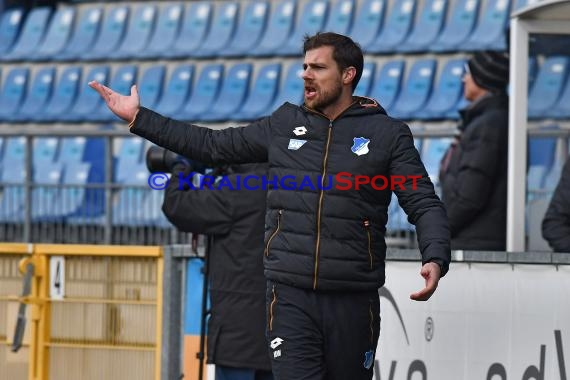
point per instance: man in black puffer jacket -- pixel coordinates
(234, 220)
(326, 208)
(556, 222)
(473, 173)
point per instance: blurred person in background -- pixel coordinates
(234, 219)
(473, 171)
(556, 222)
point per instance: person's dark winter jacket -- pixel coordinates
(556, 222)
(319, 236)
(235, 220)
(474, 185)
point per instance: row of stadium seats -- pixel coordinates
(411, 90)
(66, 172)
(261, 28)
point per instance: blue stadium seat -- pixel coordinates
(249, 31)
(365, 84)
(222, 30)
(44, 198)
(57, 35)
(165, 33)
(72, 149)
(387, 84)
(397, 28)
(111, 34)
(368, 22)
(72, 196)
(88, 101)
(14, 151)
(340, 18)
(417, 89)
(459, 26)
(263, 93)
(122, 80)
(38, 95)
(127, 210)
(519, 4)
(138, 33)
(541, 157)
(433, 150)
(13, 193)
(561, 109)
(427, 28)
(280, 26)
(312, 20)
(291, 89)
(14, 91)
(448, 93)
(83, 36)
(177, 91)
(45, 149)
(234, 91)
(151, 84)
(10, 25)
(195, 27)
(205, 92)
(31, 35)
(548, 86)
(490, 32)
(131, 152)
(64, 95)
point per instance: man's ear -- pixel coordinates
(348, 75)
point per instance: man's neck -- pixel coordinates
(335, 110)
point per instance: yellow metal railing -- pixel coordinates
(98, 315)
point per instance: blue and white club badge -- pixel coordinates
(360, 146)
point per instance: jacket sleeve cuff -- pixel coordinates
(443, 265)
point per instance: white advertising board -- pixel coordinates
(485, 322)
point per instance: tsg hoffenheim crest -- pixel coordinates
(360, 146)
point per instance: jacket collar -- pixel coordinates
(360, 106)
(491, 101)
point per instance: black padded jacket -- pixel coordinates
(323, 236)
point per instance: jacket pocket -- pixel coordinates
(366, 225)
(267, 245)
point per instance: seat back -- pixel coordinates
(263, 93)
(139, 31)
(31, 35)
(427, 28)
(387, 83)
(279, 29)
(58, 33)
(112, 32)
(195, 27)
(39, 94)
(341, 16)
(14, 91)
(448, 92)
(64, 94)
(205, 91)
(235, 89)
(397, 28)
(417, 89)
(368, 22)
(222, 30)
(490, 31)
(151, 85)
(84, 35)
(459, 26)
(177, 90)
(166, 31)
(249, 30)
(10, 25)
(292, 87)
(548, 86)
(313, 19)
(365, 83)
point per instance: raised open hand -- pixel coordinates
(125, 107)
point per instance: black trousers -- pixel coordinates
(318, 335)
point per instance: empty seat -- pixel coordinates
(459, 26)
(57, 35)
(14, 151)
(111, 34)
(387, 83)
(31, 35)
(177, 91)
(138, 33)
(64, 95)
(368, 22)
(234, 91)
(84, 35)
(13, 91)
(127, 209)
(10, 25)
(13, 193)
(397, 28)
(262, 95)
(447, 93)
(72, 196)
(88, 101)
(313, 19)
(417, 89)
(150, 87)
(122, 80)
(38, 95)
(541, 156)
(204, 92)
(427, 28)
(45, 193)
(195, 26)
(433, 150)
(548, 86)
(291, 90)
(561, 109)
(249, 30)
(279, 28)
(165, 33)
(131, 152)
(45, 149)
(340, 18)
(365, 83)
(221, 32)
(490, 32)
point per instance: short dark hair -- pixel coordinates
(346, 52)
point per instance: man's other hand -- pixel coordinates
(125, 107)
(431, 272)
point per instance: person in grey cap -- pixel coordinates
(473, 172)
